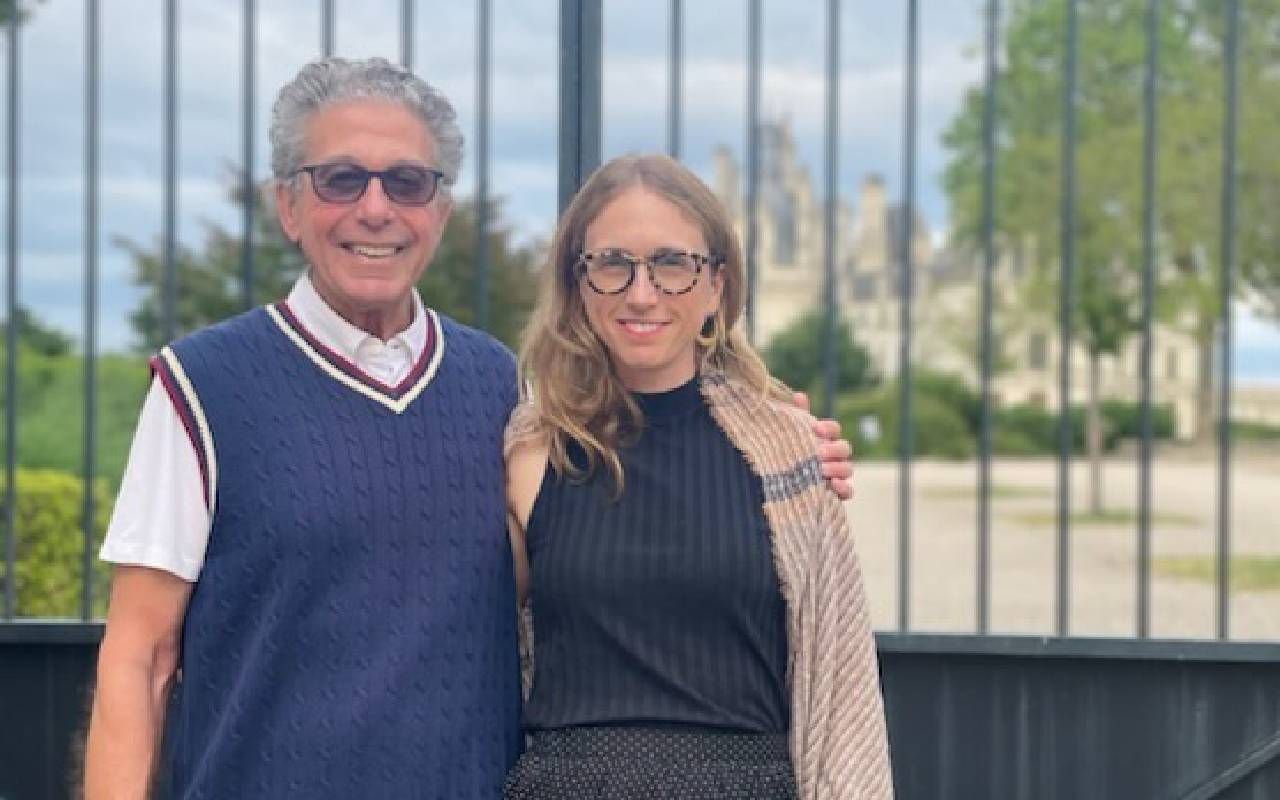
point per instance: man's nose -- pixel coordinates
(374, 207)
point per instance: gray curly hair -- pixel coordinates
(336, 80)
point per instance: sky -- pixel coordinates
(523, 102)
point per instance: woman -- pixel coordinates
(696, 601)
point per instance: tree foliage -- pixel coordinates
(1111, 72)
(24, 8)
(209, 279)
(36, 335)
(794, 356)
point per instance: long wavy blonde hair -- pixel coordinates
(565, 369)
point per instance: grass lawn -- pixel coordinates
(1119, 516)
(1248, 573)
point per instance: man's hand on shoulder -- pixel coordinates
(834, 453)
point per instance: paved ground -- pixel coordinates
(1103, 583)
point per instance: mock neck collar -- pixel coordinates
(671, 404)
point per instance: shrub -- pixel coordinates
(1124, 421)
(938, 429)
(50, 543)
(953, 392)
(1256, 431)
(1037, 428)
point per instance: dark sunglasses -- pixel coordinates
(406, 184)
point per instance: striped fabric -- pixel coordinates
(660, 605)
(839, 743)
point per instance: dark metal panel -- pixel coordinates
(1264, 755)
(250, 189)
(674, 91)
(327, 40)
(11, 340)
(581, 30)
(906, 435)
(1151, 89)
(752, 210)
(90, 444)
(406, 33)
(968, 716)
(1099, 650)
(829, 207)
(484, 38)
(1066, 286)
(1228, 233)
(44, 690)
(169, 297)
(983, 578)
(967, 726)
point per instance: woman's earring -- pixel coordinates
(709, 336)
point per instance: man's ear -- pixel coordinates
(284, 210)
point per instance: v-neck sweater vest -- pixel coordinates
(352, 632)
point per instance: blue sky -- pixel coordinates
(524, 103)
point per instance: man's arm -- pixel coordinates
(136, 666)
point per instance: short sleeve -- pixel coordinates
(161, 519)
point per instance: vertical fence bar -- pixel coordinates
(406, 33)
(483, 58)
(983, 604)
(674, 91)
(90, 300)
(829, 216)
(1065, 300)
(169, 236)
(752, 209)
(1231, 86)
(11, 334)
(906, 287)
(250, 193)
(581, 30)
(326, 28)
(1149, 132)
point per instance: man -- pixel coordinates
(311, 530)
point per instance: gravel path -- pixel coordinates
(1103, 582)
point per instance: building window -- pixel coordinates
(865, 286)
(1038, 351)
(1171, 364)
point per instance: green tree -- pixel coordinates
(1108, 159)
(794, 356)
(24, 9)
(36, 335)
(209, 279)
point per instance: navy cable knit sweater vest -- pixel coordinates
(352, 632)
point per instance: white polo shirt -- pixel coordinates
(160, 518)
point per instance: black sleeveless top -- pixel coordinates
(661, 606)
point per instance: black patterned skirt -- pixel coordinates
(642, 763)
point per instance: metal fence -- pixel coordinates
(581, 56)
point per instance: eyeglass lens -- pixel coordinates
(673, 271)
(408, 184)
